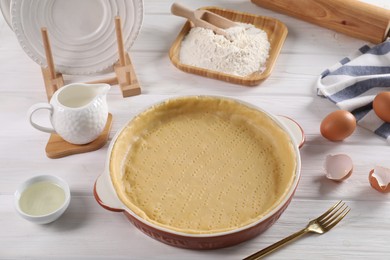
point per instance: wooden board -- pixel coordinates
(276, 31)
(58, 147)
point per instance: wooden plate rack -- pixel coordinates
(125, 77)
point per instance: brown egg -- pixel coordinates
(381, 106)
(338, 125)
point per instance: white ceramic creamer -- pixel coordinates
(78, 112)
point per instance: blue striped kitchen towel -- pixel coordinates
(354, 81)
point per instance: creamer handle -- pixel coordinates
(35, 108)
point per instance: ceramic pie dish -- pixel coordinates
(202, 172)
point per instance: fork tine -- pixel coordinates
(329, 210)
(332, 213)
(334, 222)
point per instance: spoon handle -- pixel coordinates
(183, 11)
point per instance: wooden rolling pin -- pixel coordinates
(351, 17)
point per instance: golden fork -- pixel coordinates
(320, 225)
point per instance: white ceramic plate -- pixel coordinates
(81, 33)
(5, 6)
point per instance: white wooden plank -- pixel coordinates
(88, 231)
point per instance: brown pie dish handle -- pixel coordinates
(105, 195)
(295, 129)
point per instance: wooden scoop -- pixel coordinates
(204, 18)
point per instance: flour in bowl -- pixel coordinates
(245, 52)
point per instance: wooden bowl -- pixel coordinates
(275, 30)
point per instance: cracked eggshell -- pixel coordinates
(379, 178)
(338, 167)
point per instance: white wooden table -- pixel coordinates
(87, 231)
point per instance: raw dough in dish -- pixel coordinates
(202, 165)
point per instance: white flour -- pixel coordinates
(245, 52)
